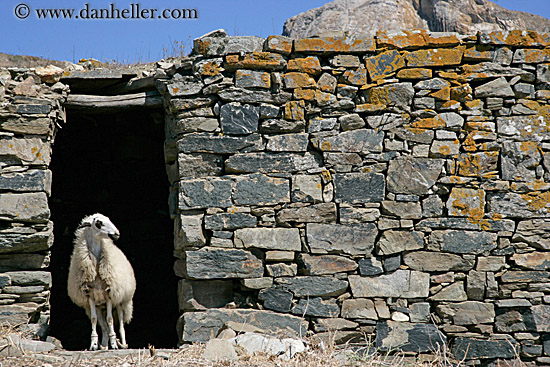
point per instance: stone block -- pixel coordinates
(353, 141)
(276, 299)
(357, 77)
(288, 143)
(188, 230)
(435, 57)
(252, 79)
(413, 175)
(468, 203)
(201, 295)
(399, 94)
(370, 266)
(313, 286)
(184, 87)
(219, 144)
(351, 215)
(463, 242)
(334, 44)
(392, 242)
(280, 44)
(287, 239)
(205, 193)
(239, 119)
(527, 128)
(30, 278)
(306, 188)
(220, 46)
(359, 188)
(387, 121)
(467, 313)
(14, 242)
(223, 221)
(436, 261)
(27, 207)
(535, 232)
(359, 309)
(316, 307)
(326, 264)
(483, 164)
(384, 64)
(198, 165)
(199, 327)
(12, 262)
(337, 238)
(234, 94)
(282, 270)
(317, 213)
(519, 160)
(402, 210)
(271, 162)
(220, 263)
(351, 122)
(31, 180)
(467, 348)
(309, 65)
(520, 205)
(408, 337)
(258, 189)
(282, 126)
(293, 80)
(401, 283)
(532, 260)
(257, 283)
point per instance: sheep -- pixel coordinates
(100, 279)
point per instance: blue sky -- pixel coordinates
(150, 40)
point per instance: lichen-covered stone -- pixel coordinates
(338, 238)
(519, 160)
(280, 44)
(25, 151)
(435, 57)
(521, 205)
(384, 64)
(309, 65)
(334, 44)
(255, 60)
(400, 94)
(525, 128)
(24, 207)
(468, 203)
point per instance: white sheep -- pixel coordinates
(101, 278)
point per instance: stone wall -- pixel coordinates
(29, 113)
(396, 186)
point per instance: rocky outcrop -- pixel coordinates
(367, 17)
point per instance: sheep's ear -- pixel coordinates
(84, 225)
(98, 224)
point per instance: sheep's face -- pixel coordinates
(101, 227)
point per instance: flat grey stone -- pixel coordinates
(413, 175)
(312, 286)
(357, 188)
(463, 242)
(436, 261)
(359, 309)
(467, 313)
(337, 238)
(408, 337)
(258, 189)
(370, 266)
(222, 221)
(357, 141)
(27, 207)
(205, 192)
(233, 94)
(239, 119)
(220, 263)
(519, 160)
(523, 128)
(220, 144)
(200, 326)
(401, 283)
(392, 242)
(317, 213)
(271, 162)
(276, 299)
(516, 205)
(403, 210)
(326, 264)
(306, 188)
(220, 46)
(288, 142)
(287, 239)
(26, 242)
(466, 348)
(31, 180)
(496, 88)
(198, 165)
(316, 307)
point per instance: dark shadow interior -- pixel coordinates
(113, 164)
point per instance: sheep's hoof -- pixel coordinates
(94, 345)
(120, 345)
(113, 342)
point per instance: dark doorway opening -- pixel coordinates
(114, 164)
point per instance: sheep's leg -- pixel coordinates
(104, 328)
(121, 330)
(111, 324)
(93, 319)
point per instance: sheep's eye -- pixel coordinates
(99, 224)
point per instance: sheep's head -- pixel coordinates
(100, 227)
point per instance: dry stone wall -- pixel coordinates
(397, 186)
(29, 113)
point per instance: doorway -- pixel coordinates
(113, 163)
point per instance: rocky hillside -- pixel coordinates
(369, 16)
(7, 60)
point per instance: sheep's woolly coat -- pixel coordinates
(112, 275)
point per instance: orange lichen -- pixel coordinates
(384, 64)
(516, 38)
(210, 69)
(370, 107)
(478, 53)
(435, 57)
(255, 60)
(309, 65)
(415, 73)
(356, 76)
(278, 43)
(469, 203)
(429, 123)
(298, 80)
(537, 200)
(305, 94)
(333, 44)
(443, 94)
(294, 110)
